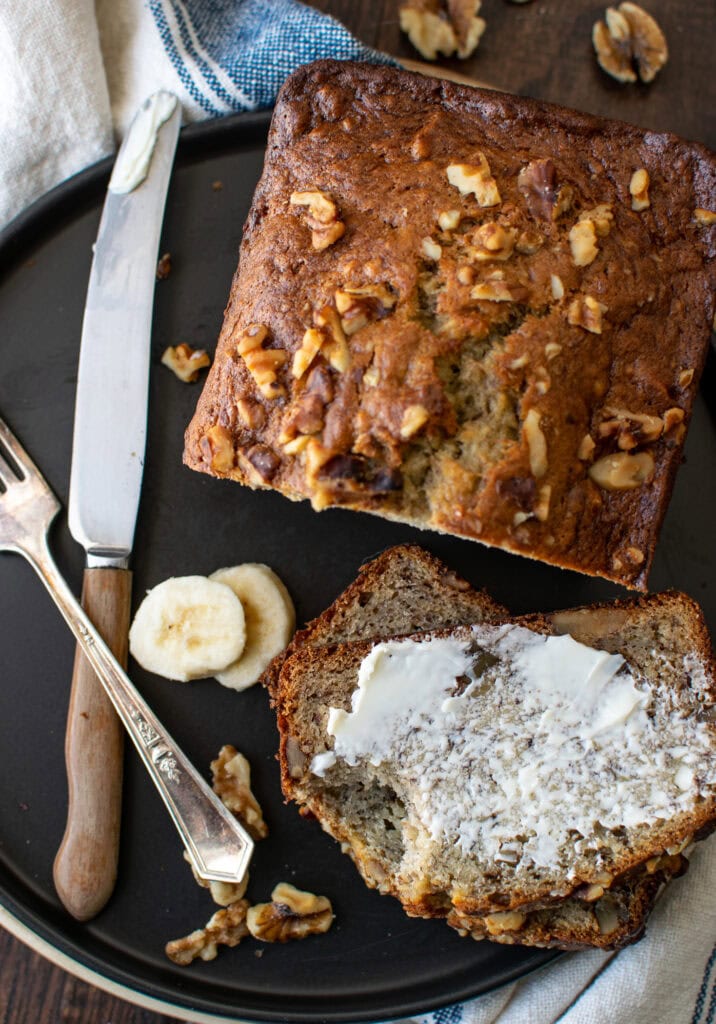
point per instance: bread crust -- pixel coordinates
(489, 377)
(414, 590)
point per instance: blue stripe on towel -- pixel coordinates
(703, 992)
(237, 53)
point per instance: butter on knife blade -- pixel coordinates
(130, 168)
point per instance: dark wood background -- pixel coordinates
(541, 49)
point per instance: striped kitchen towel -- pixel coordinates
(72, 72)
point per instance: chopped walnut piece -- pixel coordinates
(232, 784)
(639, 189)
(185, 361)
(476, 179)
(584, 311)
(622, 471)
(259, 462)
(303, 357)
(493, 242)
(291, 914)
(164, 266)
(262, 363)
(448, 220)
(371, 377)
(251, 413)
(493, 289)
(552, 349)
(431, 250)
(685, 377)
(504, 921)
(297, 445)
(705, 217)
(335, 347)
(672, 418)
(542, 507)
(631, 428)
(414, 417)
(536, 443)
(223, 893)
(545, 198)
(529, 242)
(586, 448)
(583, 243)
(557, 287)
(358, 306)
(322, 217)
(226, 928)
(634, 555)
(601, 217)
(217, 446)
(465, 275)
(630, 36)
(442, 26)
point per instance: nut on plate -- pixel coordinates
(185, 361)
(223, 893)
(629, 41)
(291, 914)
(442, 26)
(232, 784)
(226, 928)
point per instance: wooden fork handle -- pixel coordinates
(85, 867)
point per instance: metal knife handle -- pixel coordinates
(85, 867)
(219, 847)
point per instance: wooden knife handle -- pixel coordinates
(86, 863)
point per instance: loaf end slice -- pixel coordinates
(405, 589)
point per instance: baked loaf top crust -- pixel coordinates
(467, 311)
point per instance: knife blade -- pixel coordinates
(105, 483)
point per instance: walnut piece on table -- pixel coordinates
(226, 928)
(291, 914)
(232, 784)
(442, 26)
(628, 41)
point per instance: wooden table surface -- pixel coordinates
(541, 49)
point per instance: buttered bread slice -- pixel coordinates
(504, 767)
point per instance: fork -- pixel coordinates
(218, 846)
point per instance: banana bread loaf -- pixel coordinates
(467, 311)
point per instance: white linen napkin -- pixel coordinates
(72, 73)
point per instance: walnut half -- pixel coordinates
(442, 26)
(291, 914)
(629, 36)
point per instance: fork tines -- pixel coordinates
(15, 463)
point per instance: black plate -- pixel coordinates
(375, 963)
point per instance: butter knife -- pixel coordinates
(106, 476)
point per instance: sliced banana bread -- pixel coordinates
(505, 792)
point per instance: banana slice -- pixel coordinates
(188, 627)
(270, 620)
